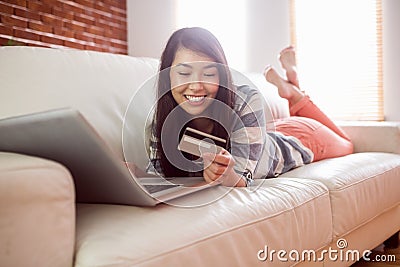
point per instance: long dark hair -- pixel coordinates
(203, 42)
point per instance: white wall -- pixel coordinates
(268, 32)
(151, 22)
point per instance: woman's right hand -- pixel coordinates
(219, 168)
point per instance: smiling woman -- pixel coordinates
(195, 90)
(195, 85)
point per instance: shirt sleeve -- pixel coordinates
(154, 166)
(249, 133)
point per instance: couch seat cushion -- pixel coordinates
(226, 232)
(361, 185)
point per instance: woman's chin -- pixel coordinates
(193, 111)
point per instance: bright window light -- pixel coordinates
(224, 18)
(338, 56)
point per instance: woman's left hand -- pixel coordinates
(219, 168)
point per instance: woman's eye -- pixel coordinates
(183, 73)
(209, 74)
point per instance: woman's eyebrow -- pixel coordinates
(210, 66)
(213, 65)
(184, 65)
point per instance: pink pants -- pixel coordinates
(315, 131)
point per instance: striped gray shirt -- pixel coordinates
(256, 152)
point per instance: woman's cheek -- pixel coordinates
(212, 88)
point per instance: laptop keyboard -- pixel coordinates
(157, 188)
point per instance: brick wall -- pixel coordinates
(98, 25)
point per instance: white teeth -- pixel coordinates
(195, 98)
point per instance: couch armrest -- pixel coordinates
(373, 136)
(37, 212)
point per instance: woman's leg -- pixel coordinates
(308, 123)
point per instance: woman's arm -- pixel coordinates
(248, 138)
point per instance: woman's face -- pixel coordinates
(194, 81)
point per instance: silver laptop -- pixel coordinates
(65, 136)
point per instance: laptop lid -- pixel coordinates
(64, 136)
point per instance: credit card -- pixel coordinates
(196, 142)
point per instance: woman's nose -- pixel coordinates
(196, 85)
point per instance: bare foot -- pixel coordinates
(286, 89)
(287, 57)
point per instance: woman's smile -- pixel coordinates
(195, 100)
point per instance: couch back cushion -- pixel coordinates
(99, 85)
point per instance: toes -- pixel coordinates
(267, 69)
(269, 73)
(287, 55)
(272, 76)
(290, 48)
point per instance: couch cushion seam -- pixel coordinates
(231, 229)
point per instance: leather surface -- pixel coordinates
(37, 212)
(361, 186)
(227, 232)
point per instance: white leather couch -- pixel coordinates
(354, 199)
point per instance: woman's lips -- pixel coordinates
(195, 100)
